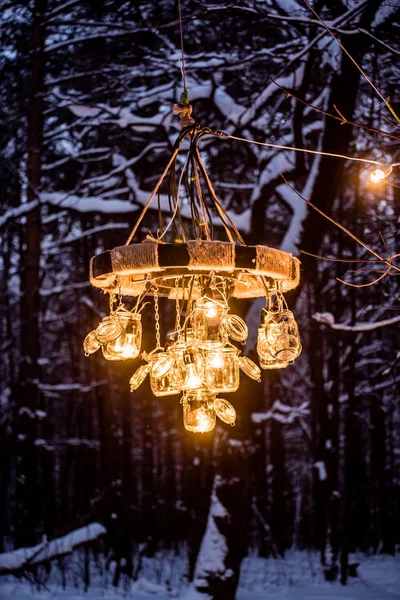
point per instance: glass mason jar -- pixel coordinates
(188, 364)
(282, 335)
(221, 369)
(266, 360)
(208, 320)
(193, 370)
(198, 411)
(267, 365)
(91, 343)
(164, 385)
(128, 345)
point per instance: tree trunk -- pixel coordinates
(28, 502)
(218, 564)
(337, 137)
(225, 541)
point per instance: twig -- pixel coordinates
(388, 262)
(362, 285)
(340, 118)
(343, 260)
(386, 101)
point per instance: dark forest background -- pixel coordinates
(86, 128)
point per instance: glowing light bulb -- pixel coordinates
(129, 349)
(126, 347)
(377, 176)
(192, 380)
(210, 310)
(217, 360)
(198, 411)
(381, 173)
(203, 424)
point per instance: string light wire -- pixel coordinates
(354, 158)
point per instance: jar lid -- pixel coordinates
(109, 330)
(236, 328)
(249, 368)
(225, 411)
(91, 343)
(162, 365)
(139, 376)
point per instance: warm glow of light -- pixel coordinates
(128, 352)
(124, 347)
(203, 424)
(192, 379)
(217, 360)
(129, 348)
(210, 310)
(198, 413)
(377, 176)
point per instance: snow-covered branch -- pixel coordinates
(23, 558)
(282, 413)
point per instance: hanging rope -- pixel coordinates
(184, 109)
(182, 51)
(149, 201)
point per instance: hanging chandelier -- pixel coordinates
(183, 262)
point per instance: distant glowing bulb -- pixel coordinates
(377, 175)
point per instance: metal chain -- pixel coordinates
(112, 300)
(157, 319)
(280, 297)
(120, 304)
(177, 307)
(224, 289)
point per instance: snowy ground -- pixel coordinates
(295, 578)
